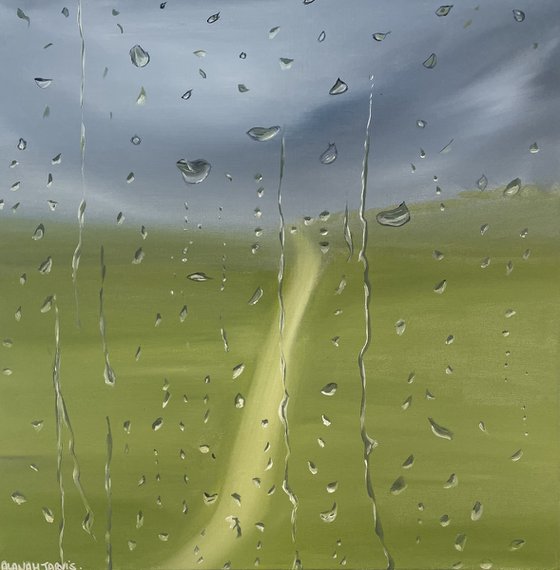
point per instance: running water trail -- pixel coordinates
(62, 418)
(108, 373)
(108, 492)
(59, 414)
(369, 443)
(82, 206)
(348, 234)
(283, 408)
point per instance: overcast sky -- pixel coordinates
(494, 91)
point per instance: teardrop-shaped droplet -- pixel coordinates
(242, 55)
(187, 95)
(157, 424)
(460, 541)
(421, 124)
(443, 10)
(516, 544)
(237, 371)
(46, 266)
(338, 88)
(22, 144)
(18, 498)
(513, 187)
(518, 15)
(400, 327)
(39, 232)
(452, 481)
(534, 148)
(65, 12)
(242, 88)
(398, 486)
(273, 32)
(285, 63)
(477, 510)
(329, 155)
(195, 171)
(57, 159)
(213, 18)
(48, 515)
(239, 401)
(440, 431)
(183, 314)
(23, 16)
(440, 287)
(138, 256)
(47, 304)
(430, 62)
(482, 183)
(256, 296)
(322, 37)
(408, 462)
(135, 140)
(198, 277)
(329, 389)
(396, 217)
(263, 134)
(138, 56)
(517, 455)
(380, 36)
(329, 516)
(42, 82)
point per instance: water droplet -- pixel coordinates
(213, 18)
(526, 254)
(431, 62)
(65, 12)
(460, 541)
(477, 510)
(484, 228)
(46, 266)
(138, 56)
(39, 232)
(380, 36)
(513, 187)
(332, 487)
(329, 155)
(194, 172)
(408, 462)
(510, 313)
(162, 5)
(485, 263)
(262, 134)
(239, 401)
(517, 455)
(440, 431)
(22, 15)
(256, 297)
(329, 389)
(138, 256)
(440, 287)
(37, 425)
(534, 148)
(158, 423)
(48, 515)
(183, 314)
(273, 32)
(237, 371)
(400, 327)
(398, 486)
(338, 88)
(202, 73)
(322, 37)
(42, 82)
(509, 267)
(396, 217)
(136, 140)
(518, 15)
(242, 55)
(242, 88)
(312, 468)
(443, 10)
(209, 498)
(198, 277)
(329, 516)
(452, 481)
(516, 544)
(18, 498)
(47, 304)
(163, 536)
(285, 63)
(407, 403)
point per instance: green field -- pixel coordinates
(498, 370)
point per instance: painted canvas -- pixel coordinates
(279, 285)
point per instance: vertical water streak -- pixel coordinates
(82, 206)
(368, 442)
(59, 413)
(283, 408)
(108, 373)
(108, 492)
(348, 234)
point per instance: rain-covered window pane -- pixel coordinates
(279, 285)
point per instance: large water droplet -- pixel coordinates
(329, 389)
(338, 88)
(42, 82)
(396, 217)
(398, 486)
(329, 516)
(431, 62)
(477, 510)
(138, 56)
(513, 187)
(440, 431)
(194, 172)
(263, 134)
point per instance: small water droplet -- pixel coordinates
(237, 371)
(380, 36)
(517, 455)
(239, 401)
(329, 516)
(213, 18)
(22, 144)
(460, 541)
(65, 12)
(513, 187)
(516, 544)
(408, 462)
(18, 498)
(443, 10)
(322, 37)
(430, 62)
(452, 481)
(42, 82)
(518, 15)
(48, 515)
(400, 327)
(477, 510)
(242, 88)
(329, 389)
(198, 277)
(440, 287)
(273, 32)
(440, 431)
(158, 423)
(255, 298)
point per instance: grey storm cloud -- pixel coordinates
(493, 91)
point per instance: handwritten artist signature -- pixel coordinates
(26, 565)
